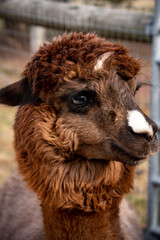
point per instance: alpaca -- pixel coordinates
(78, 137)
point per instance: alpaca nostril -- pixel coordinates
(147, 137)
(142, 135)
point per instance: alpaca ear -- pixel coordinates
(17, 93)
(128, 69)
(127, 66)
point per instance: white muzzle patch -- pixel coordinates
(138, 123)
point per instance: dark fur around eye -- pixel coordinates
(75, 104)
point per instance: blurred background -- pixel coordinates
(25, 25)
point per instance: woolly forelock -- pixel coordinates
(74, 56)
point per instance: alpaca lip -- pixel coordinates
(154, 146)
(153, 152)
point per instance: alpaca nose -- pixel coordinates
(141, 125)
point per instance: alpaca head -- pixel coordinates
(78, 127)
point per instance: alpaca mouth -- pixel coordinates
(126, 157)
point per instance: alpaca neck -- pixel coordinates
(80, 225)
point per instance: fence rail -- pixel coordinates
(109, 22)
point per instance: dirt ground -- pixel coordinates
(10, 69)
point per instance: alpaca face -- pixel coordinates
(90, 85)
(103, 115)
(78, 127)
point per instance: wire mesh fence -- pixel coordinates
(24, 25)
(18, 18)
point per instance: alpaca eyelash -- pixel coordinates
(140, 85)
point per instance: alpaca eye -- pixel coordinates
(80, 100)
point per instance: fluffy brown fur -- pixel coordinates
(73, 144)
(21, 217)
(64, 182)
